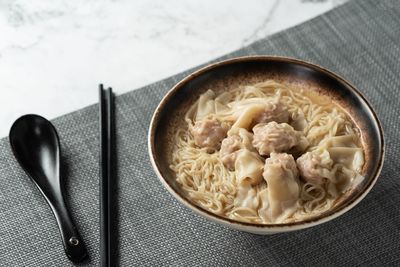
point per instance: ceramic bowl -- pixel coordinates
(249, 70)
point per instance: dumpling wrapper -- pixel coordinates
(283, 192)
(339, 141)
(343, 150)
(246, 197)
(246, 112)
(264, 211)
(352, 158)
(207, 104)
(247, 115)
(248, 167)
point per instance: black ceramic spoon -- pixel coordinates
(35, 144)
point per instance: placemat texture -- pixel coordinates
(359, 40)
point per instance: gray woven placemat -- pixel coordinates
(360, 40)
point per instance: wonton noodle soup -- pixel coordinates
(266, 153)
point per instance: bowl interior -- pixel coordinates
(249, 70)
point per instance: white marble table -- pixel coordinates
(53, 54)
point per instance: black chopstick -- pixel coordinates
(106, 112)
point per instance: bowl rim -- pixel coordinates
(324, 217)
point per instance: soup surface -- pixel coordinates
(266, 153)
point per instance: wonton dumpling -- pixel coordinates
(207, 105)
(245, 119)
(248, 167)
(315, 166)
(345, 178)
(281, 175)
(343, 150)
(273, 111)
(352, 158)
(250, 112)
(209, 133)
(277, 137)
(238, 139)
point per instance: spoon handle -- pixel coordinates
(72, 241)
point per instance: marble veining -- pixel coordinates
(54, 53)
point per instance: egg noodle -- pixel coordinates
(211, 185)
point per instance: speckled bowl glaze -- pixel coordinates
(234, 72)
